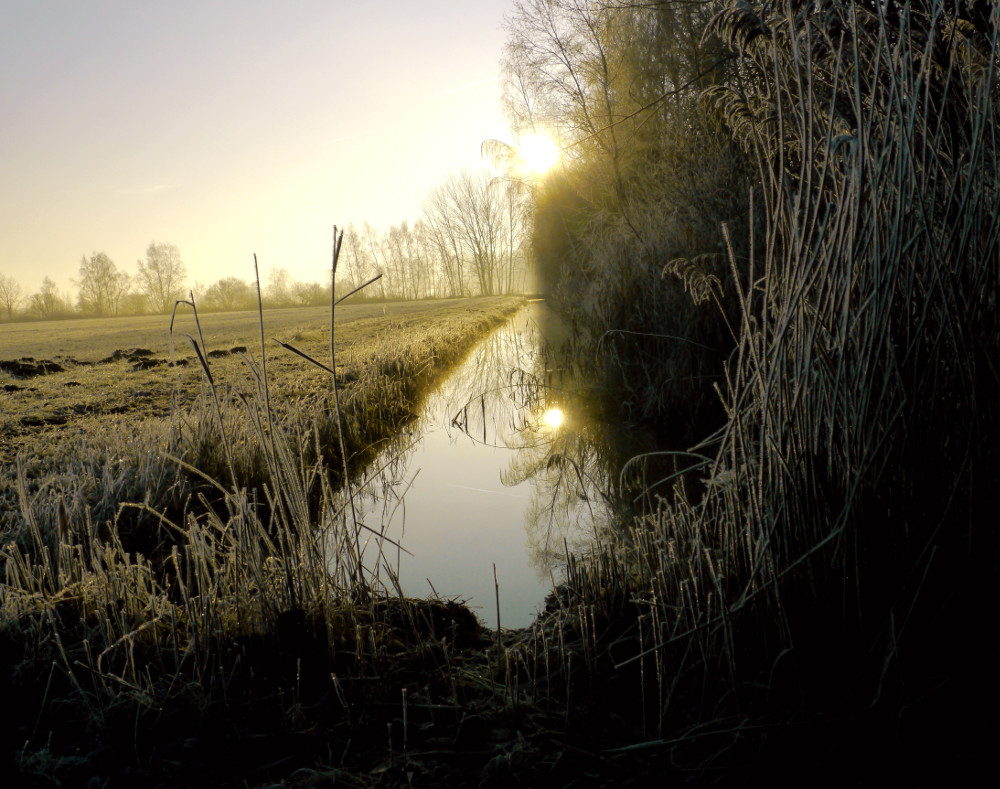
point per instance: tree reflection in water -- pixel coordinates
(553, 477)
(570, 463)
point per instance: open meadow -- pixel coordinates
(71, 378)
(172, 529)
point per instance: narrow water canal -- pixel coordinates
(505, 466)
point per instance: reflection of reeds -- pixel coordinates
(498, 397)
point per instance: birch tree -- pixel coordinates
(161, 276)
(101, 285)
(11, 294)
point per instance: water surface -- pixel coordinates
(503, 469)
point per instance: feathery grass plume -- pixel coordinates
(696, 275)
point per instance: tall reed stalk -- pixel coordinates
(238, 565)
(839, 546)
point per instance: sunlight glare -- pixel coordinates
(553, 417)
(539, 152)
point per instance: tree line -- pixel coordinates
(469, 240)
(102, 289)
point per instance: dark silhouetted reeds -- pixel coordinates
(832, 558)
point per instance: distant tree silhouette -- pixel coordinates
(11, 294)
(230, 293)
(48, 303)
(161, 276)
(101, 285)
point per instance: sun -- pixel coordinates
(538, 152)
(553, 417)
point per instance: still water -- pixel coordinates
(505, 468)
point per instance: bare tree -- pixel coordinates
(133, 302)
(230, 293)
(101, 285)
(11, 294)
(479, 223)
(373, 245)
(356, 258)
(48, 303)
(427, 274)
(310, 294)
(404, 261)
(469, 239)
(443, 232)
(279, 287)
(515, 212)
(607, 75)
(473, 228)
(560, 70)
(161, 276)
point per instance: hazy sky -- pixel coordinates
(228, 128)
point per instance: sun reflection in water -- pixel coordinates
(553, 417)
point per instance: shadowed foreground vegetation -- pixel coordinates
(810, 593)
(140, 578)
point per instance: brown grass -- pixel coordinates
(229, 612)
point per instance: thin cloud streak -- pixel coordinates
(145, 190)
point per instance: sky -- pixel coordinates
(232, 128)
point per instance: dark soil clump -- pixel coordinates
(28, 367)
(129, 354)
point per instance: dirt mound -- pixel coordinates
(130, 354)
(28, 367)
(43, 421)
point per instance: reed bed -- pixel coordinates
(822, 570)
(196, 600)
